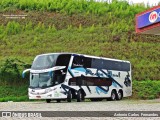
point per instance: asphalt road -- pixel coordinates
(123, 105)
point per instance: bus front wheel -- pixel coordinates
(69, 96)
(80, 96)
(48, 100)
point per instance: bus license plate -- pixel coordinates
(38, 97)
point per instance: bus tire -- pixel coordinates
(48, 100)
(58, 100)
(79, 96)
(69, 96)
(113, 95)
(119, 95)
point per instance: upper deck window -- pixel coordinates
(44, 62)
(80, 61)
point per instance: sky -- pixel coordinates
(151, 2)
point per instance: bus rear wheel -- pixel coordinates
(48, 100)
(80, 96)
(69, 96)
(113, 96)
(119, 95)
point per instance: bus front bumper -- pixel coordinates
(50, 95)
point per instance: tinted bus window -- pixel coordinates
(87, 62)
(116, 65)
(125, 66)
(90, 81)
(63, 60)
(80, 61)
(97, 63)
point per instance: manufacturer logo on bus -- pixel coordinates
(33, 90)
(153, 16)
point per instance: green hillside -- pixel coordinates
(80, 26)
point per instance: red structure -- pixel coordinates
(148, 22)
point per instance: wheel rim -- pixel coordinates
(71, 95)
(80, 95)
(113, 96)
(119, 95)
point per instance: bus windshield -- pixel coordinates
(47, 79)
(41, 80)
(44, 62)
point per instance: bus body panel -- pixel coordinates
(93, 78)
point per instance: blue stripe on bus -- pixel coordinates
(114, 84)
(101, 89)
(70, 72)
(81, 69)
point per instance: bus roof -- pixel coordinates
(76, 54)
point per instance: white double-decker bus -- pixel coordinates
(67, 76)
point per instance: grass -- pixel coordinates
(146, 89)
(91, 40)
(14, 99)
(13, 93)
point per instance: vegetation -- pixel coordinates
(81, 26)
(13, 93)
(146, 89)
(120, 8)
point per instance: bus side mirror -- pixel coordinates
(23, 73)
